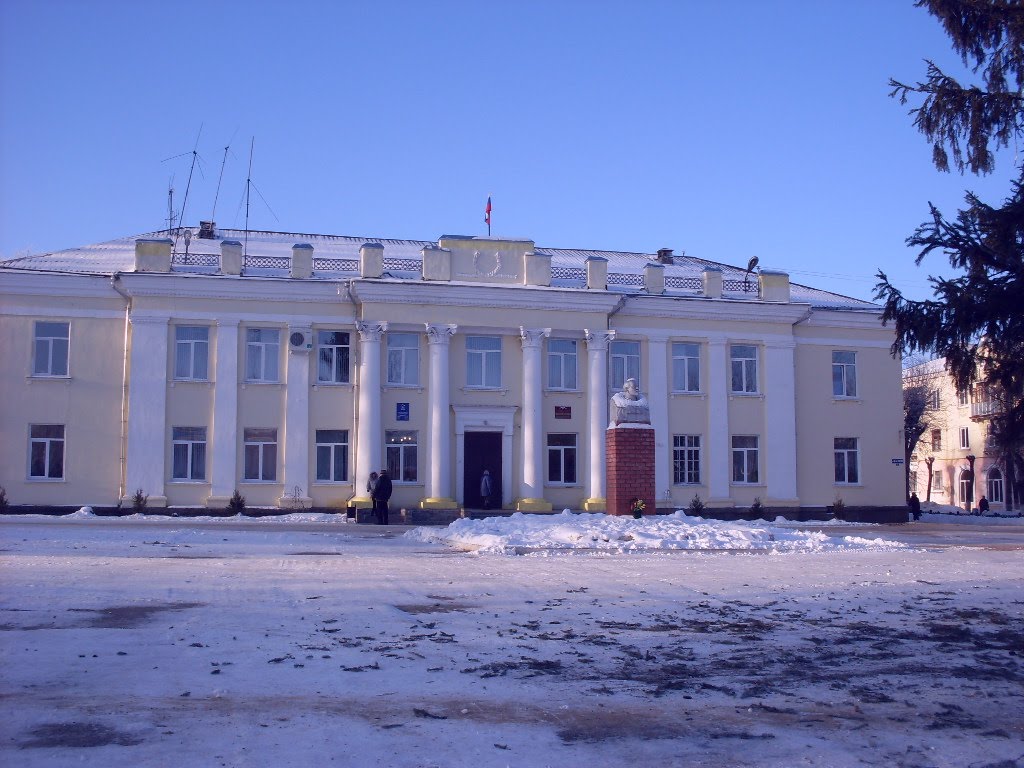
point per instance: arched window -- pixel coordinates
(965, 488)
(995, 485)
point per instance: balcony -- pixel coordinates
(984, 409)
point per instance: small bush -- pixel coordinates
(757, 508)
(4, 504)
(236, 505)
(697, 507)
(838, 507)
(139, 501)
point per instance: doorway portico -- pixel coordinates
(482, 418)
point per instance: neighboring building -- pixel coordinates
(290, 366)
(956, 437)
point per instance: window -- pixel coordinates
(46, 451)
(913, 481)
(744, 458)
(403, 360)
(483, 361)
(844, 374)
(937, 480)
(990, 441)
(965, 437)
(686, 459)
(933, 399)
(191, 352)
(936, 439)
(332, 455)
(401, 455)
(51, 349)
(966, 492)
(847, 466)
(963, 397)
(262, 350)
(685, 367)
(188, 450)
(561, 364)
(332, 349)
(744, 367)
(994, 486)
(562, 459)
(260, 454)
(624, 358)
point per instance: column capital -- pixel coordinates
(598, 340)
(440, 334)
(370, 331)
(532, 336)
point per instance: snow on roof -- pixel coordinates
(337, 257)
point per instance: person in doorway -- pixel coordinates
(370, 483)
(486, 488)
(381, 494)
(983, 506)
(915, 506)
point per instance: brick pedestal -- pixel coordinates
(629, 451)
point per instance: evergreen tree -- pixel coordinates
(975, 320)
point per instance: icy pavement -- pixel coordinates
(152, 643)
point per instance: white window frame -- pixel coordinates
(562, 364)
(844, 374)
(262, 355)
(965, 438)
(192, 440)
(743, 369)
(686, 460)
(963, 397)
(49, 354)
(994, 485)
(937, 484)
(936, 440)
(481, 350)
(53, 452)
(403, 365)
(333, 356)
(401, 451)
(623, 363)
(563, 458)
(188, 353)
(846, 453)
(685, 366)
(934, 400)
(264, 441)
(330, 443)
(746, 472)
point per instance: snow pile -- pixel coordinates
(525, 533)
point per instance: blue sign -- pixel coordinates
(401, 411)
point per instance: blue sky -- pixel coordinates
(722, 129)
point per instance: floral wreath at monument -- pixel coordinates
(637, 507)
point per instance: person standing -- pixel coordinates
(486, 488)
(381, 494)
(915, 506)
(982, 506)
(369, 492)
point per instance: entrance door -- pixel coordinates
(482, 451)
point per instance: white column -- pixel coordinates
(718, 459)
(597, 416)
(439, 480)
(532, 486)
(147, 409)
(368, 427)
(779, 447)
(657, 398)
(224, 440)
(296, 429)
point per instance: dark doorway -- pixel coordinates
(482, 451)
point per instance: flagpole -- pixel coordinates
(487, 215)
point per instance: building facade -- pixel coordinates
(955, 461)
(193, 363)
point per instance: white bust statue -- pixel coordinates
(629, 406)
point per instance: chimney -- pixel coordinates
(712, 282)
(371, 260)
(207, 230)
(597, 273)
(153, 255)
(302, 261)
(536, 268)
(437, 263)
(773, 285)
(665, 256)
(230, 257)
(654, 278)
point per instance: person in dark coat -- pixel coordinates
(982, 506)
(915, 506)
(380, 495)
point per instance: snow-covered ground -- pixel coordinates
(560, 640)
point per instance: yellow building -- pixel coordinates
(193, 363)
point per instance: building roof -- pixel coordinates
(336, 257)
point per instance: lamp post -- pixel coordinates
(970, 482)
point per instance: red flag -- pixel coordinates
(487, 212)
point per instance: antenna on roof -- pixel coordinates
(195, 158)
(170, 204)
(223, 162)
(248, 184)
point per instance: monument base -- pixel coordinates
(629, 451)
